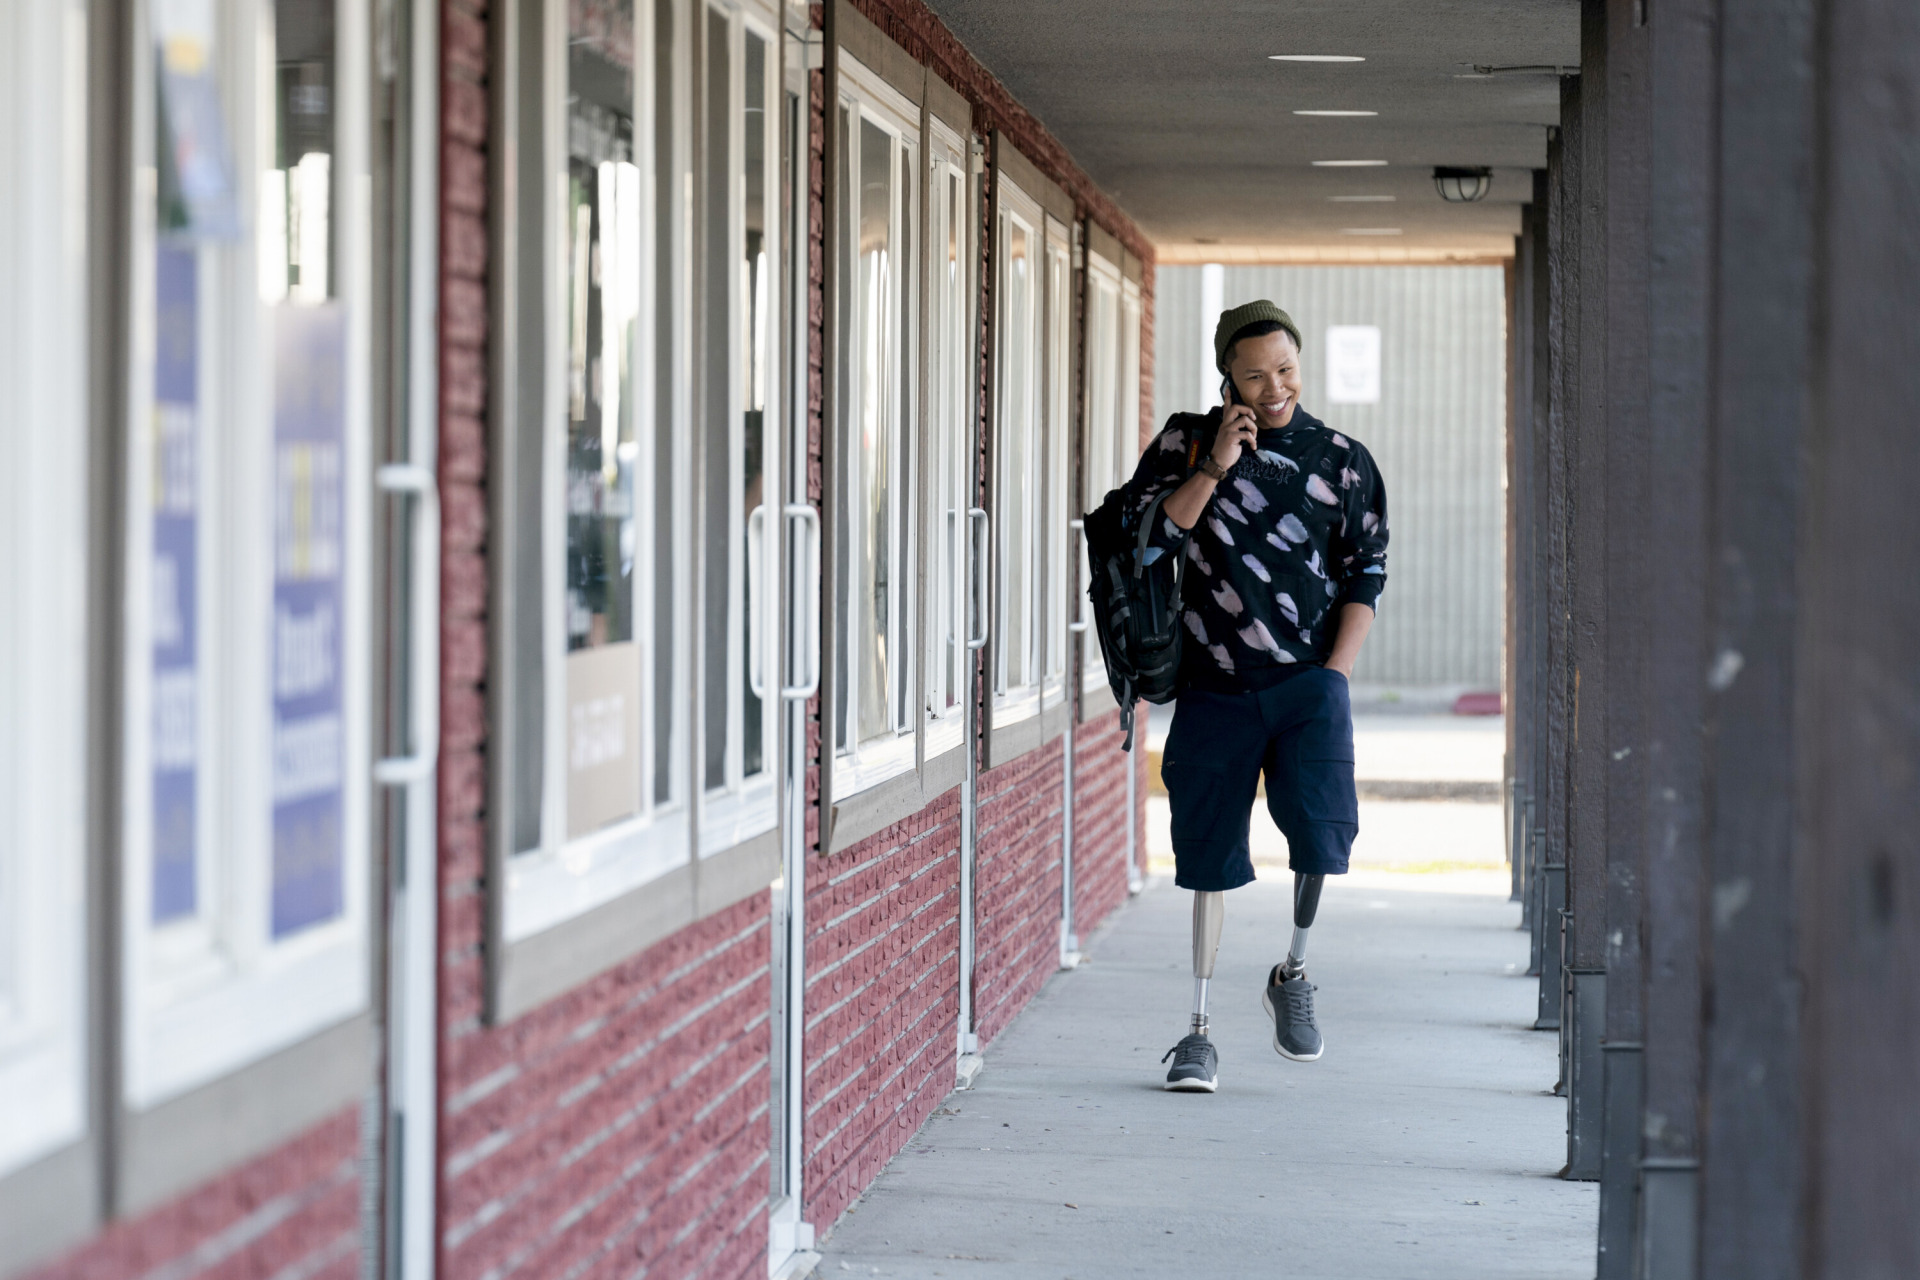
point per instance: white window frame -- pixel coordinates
(567, 876)
(863, 764)
(214, 991)
(744, 807)
(1017, 622)
(949, 459)
(43, 572)
(1056, 445)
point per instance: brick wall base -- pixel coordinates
(883, 1004)
(1100, 851)
(623, 1127)
(292, 1212)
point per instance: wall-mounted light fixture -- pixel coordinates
(1462, 186)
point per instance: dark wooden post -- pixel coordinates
(1629, 606)
(1587, 508)
(1563, 326)
(1857, 869)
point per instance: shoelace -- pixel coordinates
(1192, 1053)
(1299, 998)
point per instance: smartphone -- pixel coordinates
(1229, 394)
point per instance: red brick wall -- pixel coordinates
(621, 1128)
(883, 1003)
(1016, 886)
(1100, 850)
(294, 1211)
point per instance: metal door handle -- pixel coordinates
(977, 639)
(808, 516)
(417, 482)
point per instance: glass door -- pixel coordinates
(796, 641)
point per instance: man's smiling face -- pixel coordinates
(1266, 371)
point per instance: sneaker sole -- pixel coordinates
(1266, 1004)
(1191, 1086)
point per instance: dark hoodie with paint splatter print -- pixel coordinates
(1296, 530)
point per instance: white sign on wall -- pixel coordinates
(1353, 364)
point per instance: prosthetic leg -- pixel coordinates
(1306, 901)
(1289, 996)
(1196, 1065)
(1209, 913)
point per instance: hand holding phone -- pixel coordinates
(1238, 427)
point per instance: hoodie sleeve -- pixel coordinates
(1162, 469)
(1359, 551)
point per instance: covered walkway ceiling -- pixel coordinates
(1178, 109)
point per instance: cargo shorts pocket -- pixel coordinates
(1323, 756)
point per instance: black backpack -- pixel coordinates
(1136, 605)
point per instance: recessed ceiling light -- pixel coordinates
(1349, 164)
(1362, 199)
(1313, 57)
(1370, 231)
(1336, 113)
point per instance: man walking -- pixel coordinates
(1284, 525)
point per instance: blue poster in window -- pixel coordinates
(309, 552)
(173, 575)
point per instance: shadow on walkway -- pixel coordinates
(1424, 1144)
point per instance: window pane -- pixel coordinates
(603, 292)
(756, 351)
(665, 317)
(875, 444)
(960, 375)
(296, 194)
(948, 412)
(1059, 407)
(900, 609)
(717, 544)
(1016, 464)
(174, 574)
(847, 622)
(309, 427)
(1103, 385)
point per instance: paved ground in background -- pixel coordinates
(1422, 1147)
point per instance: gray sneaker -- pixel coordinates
(1296, 1034)
(1196, 1067)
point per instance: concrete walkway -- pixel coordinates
(1423, 1146)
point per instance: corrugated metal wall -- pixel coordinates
(1437, 433)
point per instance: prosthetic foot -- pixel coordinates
(1288, 998)
(1196, 1065)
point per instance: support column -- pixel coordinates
(1857, 869)
(1563, 329)
(1588, 430)
(1539, 401)
(1523, 435)
(1680, 148)
(1628, 609)
(1509, 625)
(1754, 1192)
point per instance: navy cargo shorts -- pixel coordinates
(1300, 732)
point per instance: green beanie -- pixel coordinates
(1232, 322)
